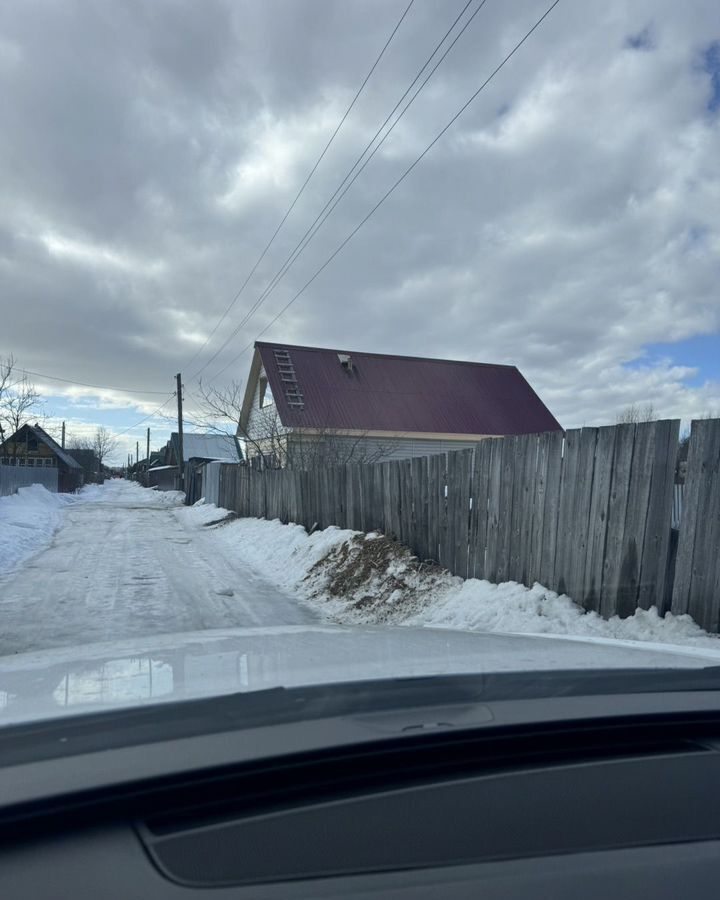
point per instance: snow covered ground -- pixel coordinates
(120, 561)
(389, 589)
(28, 521)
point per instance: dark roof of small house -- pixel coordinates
(43, 436)
(400, 393)
(87, 458)
(207, 446)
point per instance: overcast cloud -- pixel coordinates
(568, 222)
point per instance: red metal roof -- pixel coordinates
(401, 393)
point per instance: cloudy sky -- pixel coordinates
(567, 223)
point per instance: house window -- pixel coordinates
(266, 397)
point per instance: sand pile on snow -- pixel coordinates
(374, 579)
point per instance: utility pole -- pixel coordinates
(62, 442)
(148, 448)
(137, 451)
(181, 466)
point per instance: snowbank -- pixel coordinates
(129, 494)
(28, 521)
(367, 579)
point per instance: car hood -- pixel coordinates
(199, 664)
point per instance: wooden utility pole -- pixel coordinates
(62, 442)
(148, 448)
(181, 466)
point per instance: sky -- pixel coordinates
(566, 223)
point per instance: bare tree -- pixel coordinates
(19, 400)
(636, 413)
(273, 443)
(103, 444)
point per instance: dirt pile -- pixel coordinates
(377, 578)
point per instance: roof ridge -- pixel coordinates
(437, 359)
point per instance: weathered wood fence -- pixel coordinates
(696, 586)
(586, 512)
(12, 478)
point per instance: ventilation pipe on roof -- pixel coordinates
(345, 361)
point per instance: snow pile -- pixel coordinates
(281, 553)
(28, 521)
(369, 579)
(130, 494)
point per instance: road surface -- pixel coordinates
(127, 563)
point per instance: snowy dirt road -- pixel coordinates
(127, 563)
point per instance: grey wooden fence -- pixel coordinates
(14, 477)
(587, 512)
(696, 588)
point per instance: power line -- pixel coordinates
(304, 185)
(98, 387)
(322, 215)
(152, 414)
(396, 184)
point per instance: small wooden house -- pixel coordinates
(31, 446)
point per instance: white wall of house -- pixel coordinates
(263, 422)
(369, 448)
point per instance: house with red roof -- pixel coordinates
(311, 403)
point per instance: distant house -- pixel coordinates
(32, 446)
(198, 449)
(92, 470)
(371, 406)
(203, 448)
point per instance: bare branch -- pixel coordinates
(636, 413)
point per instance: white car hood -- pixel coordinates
(165, 668)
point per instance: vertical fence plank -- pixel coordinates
(493, 511)
(580, 515)
(478, 510)
(697, 572)
(434, 480)
(417, 484)
(551, 508)
(443, 544)
(405, 494)
(527, 524)
(617, 509)
(653, 588)
(459, 509)
(538, 504)
(597, 521)
(571, 453)
(504, 519)
(635, 519)
(517, 507)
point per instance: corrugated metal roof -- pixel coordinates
(207, 446)
(400, 393)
